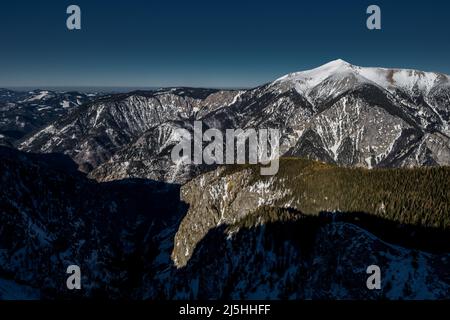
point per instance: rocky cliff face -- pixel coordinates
(149, 157)
(269, 250)
(229, 194)
(215, 199)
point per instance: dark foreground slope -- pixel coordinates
(52, 216)
(278, 253)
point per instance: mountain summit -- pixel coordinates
(389, 79)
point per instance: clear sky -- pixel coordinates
(212, 43)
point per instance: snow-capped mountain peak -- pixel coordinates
(306, 80)
(389, 79)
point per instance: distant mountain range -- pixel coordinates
(22, 113)
(337, 113)
(364, 179)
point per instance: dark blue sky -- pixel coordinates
(211, 43)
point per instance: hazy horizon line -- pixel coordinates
(114, 88)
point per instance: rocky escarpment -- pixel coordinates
(227, 195)
(310, 232)
(216, 198)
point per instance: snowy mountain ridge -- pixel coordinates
(337, 113)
